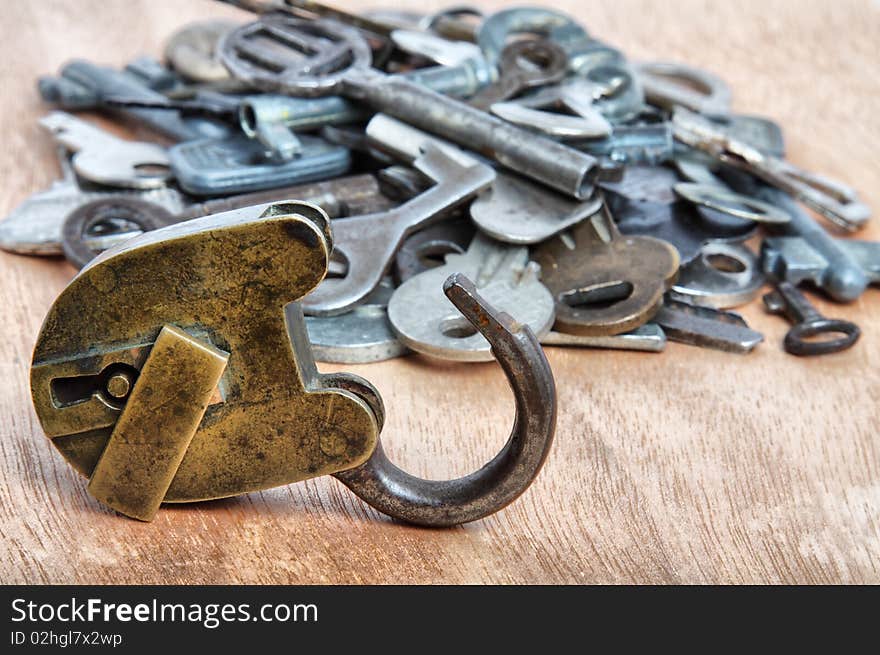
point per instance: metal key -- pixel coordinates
(835, 201)
(237, 164)
(549, 162)
(646, 338)
(604, 283)
(843, 279)
(103, 158)
(426, 322)
(192, 50)
(367, 243)
(35, 226)
(793, 259)
(696, 325)
(84, 85)
(807, 322)
(123, 217)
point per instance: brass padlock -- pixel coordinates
(176, 367)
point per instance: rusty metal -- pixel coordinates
(451, 502)
(547, 63)
(605, 283)
(807, 323)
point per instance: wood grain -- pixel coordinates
(691, 466)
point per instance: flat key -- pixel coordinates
(705, 327)
(106, 159)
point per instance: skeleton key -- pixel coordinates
(426, 322)
(523, 65)
(604, 283)
(793, 259)
(558, 166)
(807, 322)
(103, 158)
(706, 327)
(368, 243)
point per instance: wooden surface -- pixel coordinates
(691, 466)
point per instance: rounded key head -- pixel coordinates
(294, 56)
(796, 341)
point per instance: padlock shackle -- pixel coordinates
(451, 502)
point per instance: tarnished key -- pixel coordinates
(646, 338)
(103, 158)
(547, 161)
(705, 327)
(426, 321)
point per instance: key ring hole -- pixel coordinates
(597, 296)
(725, 263)
(818, 337)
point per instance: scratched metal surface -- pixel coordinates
(690, 466)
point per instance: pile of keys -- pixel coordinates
(355, 187)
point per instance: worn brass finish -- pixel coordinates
(157, 423)
(224, 279)
(605, 283)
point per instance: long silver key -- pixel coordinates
(246, 55)
(103, 158)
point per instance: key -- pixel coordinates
(650, 144)
(101, 224)
(723, 275)
(103, 158)
(35, 226)
(793, 259)
(644, 204)
(705, 327)
(426, 322)
(367, 243)
(237, 164)
(843, 279)
(430, 46)
(670, 85)
(536, 157)
(84, 85)
(604, 283)
(646, 338)
(523, 65)
(514, 210)
(807, 323)
(835, 201)
(360, 336)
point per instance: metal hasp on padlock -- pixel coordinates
(605, 283)
(176, 367)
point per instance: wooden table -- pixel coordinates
(691, 466)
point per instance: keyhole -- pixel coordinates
(457, 328)
(725, 263)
